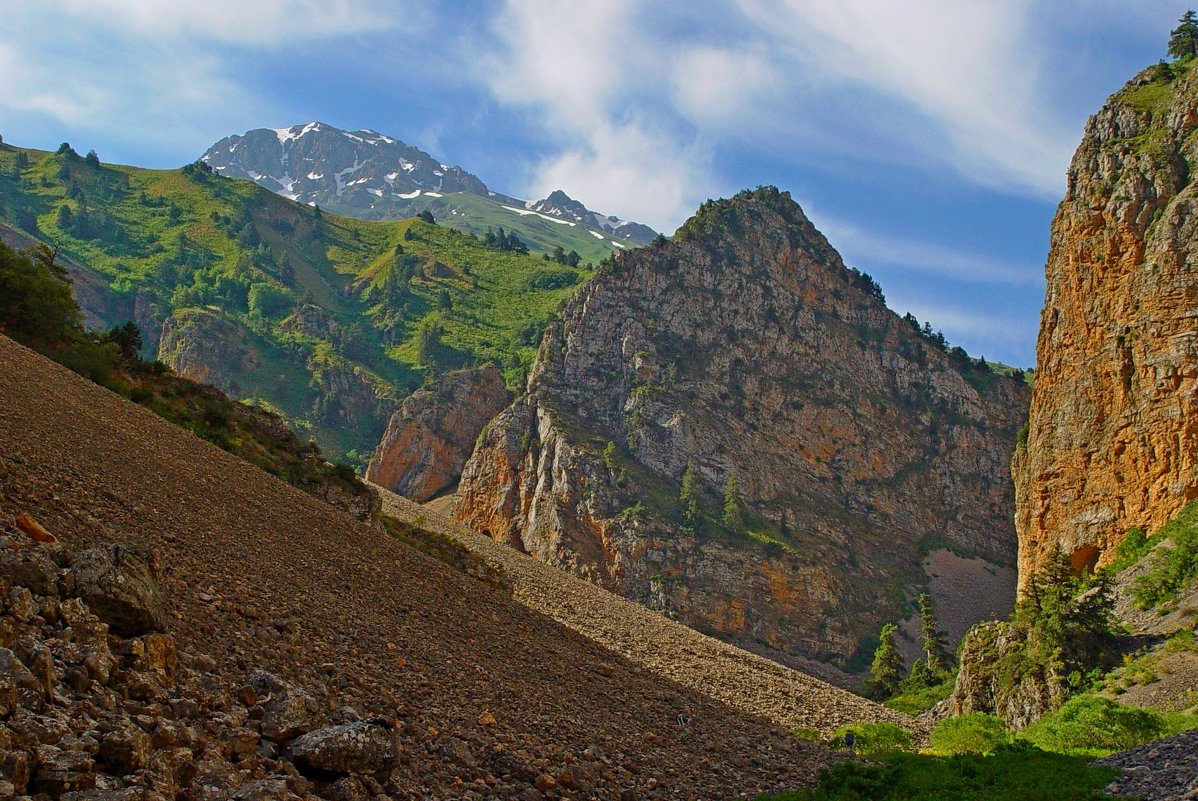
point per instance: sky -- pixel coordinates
(927, 139)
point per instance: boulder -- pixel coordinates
(120, 584)
(31, 568)
(364, 746)
(288, 710)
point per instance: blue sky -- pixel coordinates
(928, 139)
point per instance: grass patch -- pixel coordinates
(1011, 774)
(921, 700)
(975, 733)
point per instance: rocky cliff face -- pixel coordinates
(745, 348)
(430, 437)
(1113, 434)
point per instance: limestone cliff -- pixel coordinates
(746, 348)
(1113, 434)
(430, 437)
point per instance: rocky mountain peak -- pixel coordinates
(746, 348)
(559, 204)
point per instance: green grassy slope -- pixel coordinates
(316, 316)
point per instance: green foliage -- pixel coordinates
(268, 300)
(887, 669)
(36, 305)
(734, 517)
(1170, 568)
(1183, 40)
(1094, 725)
(935, 641)
(1010, 774)
(552, 279)
(975, 733)
(916, 700)
(610, 456)
(1131, 550)
(873, 739)
(127, 339)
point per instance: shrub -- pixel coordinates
(552, 279)
(875, 738)
(921, 699)
(1093, 724)
(1170, 569)
(975, 733)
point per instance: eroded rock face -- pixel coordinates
(430, 437)
(120, 584)
(746, 347)
(1113, 435)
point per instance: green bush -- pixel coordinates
(267, 300)
(1170, 569)
(875, 738)
(1011, 774)
(975, 733)
(549, 278)
(1091, 724)
(921, 699)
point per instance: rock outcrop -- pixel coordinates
(1112, 441)
(430, 437)
(746, 349)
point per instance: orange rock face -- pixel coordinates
(431, 435)
(1112, 440)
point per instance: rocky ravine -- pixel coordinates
(490, 700)
(746, 348)
(432, 434)
(1113, 435)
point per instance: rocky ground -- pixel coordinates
(1166, 770)
(489, 699)
(752, 683)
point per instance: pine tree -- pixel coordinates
(444, 301)
(935, 646)
(734, 518)
(688, 498)
(887, 668)
(1183, 40)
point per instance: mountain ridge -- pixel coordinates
(370, 175)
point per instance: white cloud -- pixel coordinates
(969, 68)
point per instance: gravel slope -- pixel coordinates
(757, 685)
(261, 575)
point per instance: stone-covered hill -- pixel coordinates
(371, 176)
(1112, 442)
(484, 698)
(328, 320)
(747, 350)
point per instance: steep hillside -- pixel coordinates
(489, 697)
(734, 429)
(1113, 437)
(330, 321)
(371, 176)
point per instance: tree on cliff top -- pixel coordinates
(1183, 40)
(935, 642)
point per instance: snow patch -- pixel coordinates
(617, 244)
(378, 192)
(286, 134)
(596, 234)
(316, 176)
(408, 195)
(434, 194)
(526, 212)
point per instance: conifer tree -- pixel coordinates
(688, 498)
(734, 519)
(1183, 40)
(935, 646)
(887, 668)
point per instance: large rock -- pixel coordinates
(288, 711)
(430, 437)
(359, 747)
(992, 656)
(1112, 441)
(745, 347)
(120, 585)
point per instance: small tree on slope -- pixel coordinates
(935, 642)
(887, 669)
